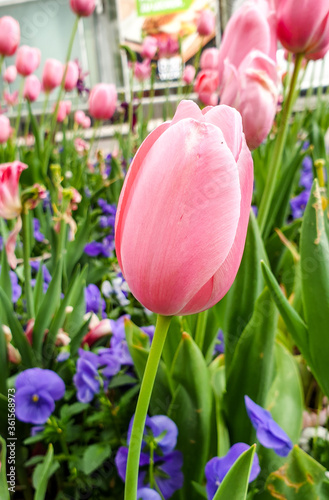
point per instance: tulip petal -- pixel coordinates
(230, 123)
(189, 174)
(187, 109)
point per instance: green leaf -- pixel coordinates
(5, 281)
(314, 252)
(94, 456)
(4, 492)
(235, 484)
(42, 474)
(191, 409)
(75, 248)
(68, 411)
(251, 368)
(38, 289)
(218, 383)
(131, 54)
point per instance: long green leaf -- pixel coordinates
(5, 281)
(41, 489)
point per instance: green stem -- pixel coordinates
(44, 109)
(142, 406)
(2, 58)
(151, 468)
(276, 158)
(96, 128)
(20, 102)
(201, 329)
(26, 259)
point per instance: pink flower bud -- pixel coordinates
(52, 74)
(9, 35)
(11, 99)
(206, 86)
(5, 129)
(83, 8)
(10, 74)
(195, 171)
(86, 122)
(64, 109)
(168, 47)
(10, 202)
(103, 101)
(206, 23)
(210, 59)
(32, 88)
(142, 70)
(27, 60)
(188, 74)
(149, 47)
(72, 76)
(79, 117)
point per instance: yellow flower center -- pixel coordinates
(35, 398)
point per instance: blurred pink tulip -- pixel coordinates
(10, 74)
(142, 70)
(72, 76)
(103, 101)
(253, 90)
(210, 59)
(9, 35)
(5, 129)
(194, 170)
(303, 27)
(27, 60)
(206, 86)
(80, 145)
(83, 8)
(86, 122)
(64, 109)
(252, 27)
(13, 354)
(52, 74)
(188, 74)
(149, 47)
(168, 47)
(10, 202)
(97, 329)
(11, 99)
(32, 88)
(79, 117)
(206, 22)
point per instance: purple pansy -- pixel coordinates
(118, 341)
(108, 359)
(147, 494)
(94, 301)
(149, 330)
(104, 248)
(86, 378)
(107, 208)
(217, 468)
(159, 426)
(219, 346)
(36, 393)
(15, 287)
(268, 432)
(38, 236)
(298, 204)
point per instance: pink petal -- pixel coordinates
(187, 109)
(230, 123)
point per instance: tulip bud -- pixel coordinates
(5, 129)
(79, 117)
(10, 202)
(149, 47)
(27, 60)
(9, 35)
(103, 101)
(64, 109)
(188, 74)
(83, 8)
(142, 70)
(10, 74)
(32, 88)
(72, 76)
(210, 59)
(206, 86)
(206, 23)
(195, 171)
(52, 74)
(86, 122)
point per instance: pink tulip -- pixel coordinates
(253, 90)
(210, 59)
(11, 99)
(9, 35)
(10, 202)
(206, 86)
(303, 27)
(64, 109)
(32, 88)
(5, 129)
(195, 171)
(52, 74)
(103, 101)
(86, 122)
(188, 74)
(83, 8)
(27, 60)
(142, 70)
(10, 74)
(206, 23)
(168, 47)
(252, 27)
(79, 117)
(72, 76)
(97, 329)
(149, 47)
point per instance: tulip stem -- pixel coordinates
(201, 329)
(26, 232)
(276, 158)
(143, 402)
(19, 111)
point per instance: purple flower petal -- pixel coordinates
(39, 379)
(33, 406)
(147, 494)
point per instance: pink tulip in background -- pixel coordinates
(32, 88)
(27, 60)
(168, 47)
(210, 59)
(206, 23)
(252, 89)
(11, 98)
(103, 101)
(72, 75)
(79, 117)
(52, 74)
(5, 129)
(206, 86)
(97, 329)
(142, 70)
(188, 74)
(10, 202)
(195, 171)
(64, 109)
(149, 47)
(9, 35)
(83, 8)
(303, 27)
(10, 74)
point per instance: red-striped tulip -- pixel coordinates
(183, 212)
(10, 202)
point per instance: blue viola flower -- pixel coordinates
(107, 208)
(94, 301)
(15, 287)
(36, 393)
(217, 468)
(109, 361)
(269, 433)
(306, 174)
(38, 236)
(219, 346)
(149, 330)
(86, 378)
(298, 204)
(147, 494)
(162, 429)
(104, 248)
(118, 341)
(254, 208)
